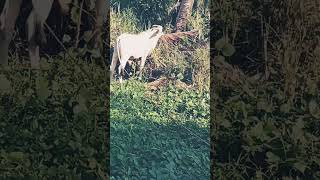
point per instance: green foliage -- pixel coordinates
(159, 136)
(154, 11)
(41, 137)
(266, 122)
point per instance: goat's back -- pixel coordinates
(135, 45)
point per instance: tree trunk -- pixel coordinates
(184, 12)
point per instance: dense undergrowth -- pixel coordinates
(163, 133)
(53, 122)
(265, 103)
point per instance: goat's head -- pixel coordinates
(156, 31)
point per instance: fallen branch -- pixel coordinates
(176, 37)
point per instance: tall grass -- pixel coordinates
(187, 61)
(122, 22)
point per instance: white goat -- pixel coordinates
(136, 46)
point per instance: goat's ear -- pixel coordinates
(154, 34)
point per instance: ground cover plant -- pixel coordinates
(159, 127)
(159, 136)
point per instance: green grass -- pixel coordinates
(160, 135)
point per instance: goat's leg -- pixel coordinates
(35, 28)
(8, 19)
(143, 61)
(120, 71)
(122, 66)
(33, 45)
(113, 63)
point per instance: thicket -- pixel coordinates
(265, 103)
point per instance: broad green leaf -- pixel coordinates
(220, 43)
(257, 130)
(285, 108)
(272, 157)
(87, 35)
(92, 163)
(300, 166)
(75, 14)
(15, 156)
(228, 50)
(220, 58)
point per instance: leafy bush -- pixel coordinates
(53, 122)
